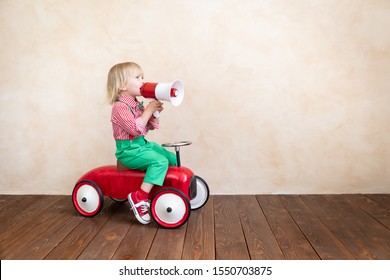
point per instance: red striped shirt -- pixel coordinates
(127, 124)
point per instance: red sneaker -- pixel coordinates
(140, 208)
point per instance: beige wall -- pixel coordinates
(281, 96)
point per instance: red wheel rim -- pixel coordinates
(87, 199)
(170, 208)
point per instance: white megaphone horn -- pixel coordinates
(172, 92)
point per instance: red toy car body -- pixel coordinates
(170, 204)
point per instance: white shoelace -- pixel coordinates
(144, 206)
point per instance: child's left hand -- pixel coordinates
(160, 107)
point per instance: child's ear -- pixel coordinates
(122, 87)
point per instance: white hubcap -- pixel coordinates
(170, 208)
(88, 198)
(201, 195)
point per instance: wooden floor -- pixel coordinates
(228, 227)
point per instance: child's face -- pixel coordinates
(133, 85)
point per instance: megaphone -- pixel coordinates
(172, 92)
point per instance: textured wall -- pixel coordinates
(281, 96)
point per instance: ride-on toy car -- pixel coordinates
(170, 204)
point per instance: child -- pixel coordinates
(130, 123)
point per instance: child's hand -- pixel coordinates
(155, 105)
(152, 107)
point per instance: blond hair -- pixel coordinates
(117, 77)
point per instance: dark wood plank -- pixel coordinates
(199, 241)
(107, 240)
(229, 237)
(383, 199)
(136, 243)
(327, 246)
(228, 227)
(291, 240)
(345, 230)
(260, 240)
(53, 233)
(168, 244)
(16, 242)
(25, 212)
(11, 204)
(78, 239)
(377, 234)
(6, 200)
(376, 206)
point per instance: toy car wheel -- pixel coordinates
(170, 208)
(202, 194)
(87, 198)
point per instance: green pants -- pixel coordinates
(143, 155)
